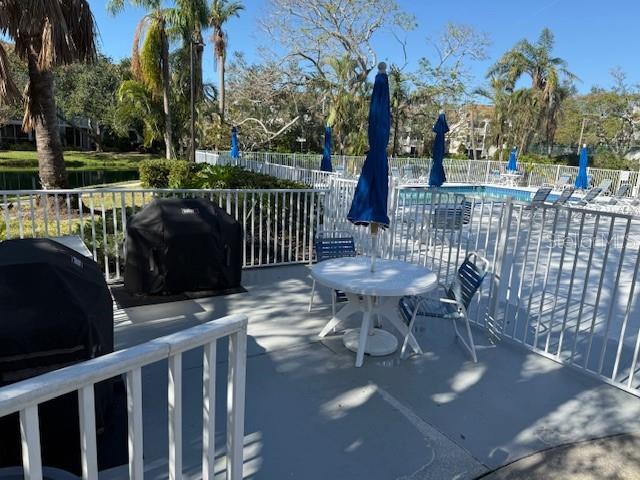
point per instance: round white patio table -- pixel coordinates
(373, 293)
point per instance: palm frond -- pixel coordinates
(136, 70)
(8, 91)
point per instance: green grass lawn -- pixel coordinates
(14, 160)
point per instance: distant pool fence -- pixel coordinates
(564, 281)
(458, 171)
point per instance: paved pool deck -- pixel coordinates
(310, 414)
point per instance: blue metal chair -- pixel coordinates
(336, 244)
(456, 301)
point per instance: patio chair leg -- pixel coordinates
(333, 303)
(405, 343)
(469, 345)
(313, 291)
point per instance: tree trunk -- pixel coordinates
(395, 136)
(51, 166)
(95, 133)
(221, 86)
(473, 136)
(198, 66)
(166, 86)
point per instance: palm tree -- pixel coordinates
(219, 13)
(150, 65)
(348, 105)
(399, 103)
(188, 20)
(46, 34)
(550, 78)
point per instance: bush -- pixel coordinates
(183, 174)
(234, 177)
(606, 159)
(155, 173)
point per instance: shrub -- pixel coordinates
(155, 173)
(183, 174)
(233, 177)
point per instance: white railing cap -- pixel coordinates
(49, 385)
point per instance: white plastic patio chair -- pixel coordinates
(457, 298)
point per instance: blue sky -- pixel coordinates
(593, 36)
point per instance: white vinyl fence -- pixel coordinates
(458, 171)
(307, 176)
(564, 280)
(24, 398)
(278, 224)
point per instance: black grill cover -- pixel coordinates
(56, 310)
(182, 245)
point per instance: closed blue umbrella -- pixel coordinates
(512, 166)
(235, 149)
(582, 180)
(325, 165)
(369, 205)
(437, 176)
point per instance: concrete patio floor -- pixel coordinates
(310, 414)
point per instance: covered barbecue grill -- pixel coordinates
(182, 245)
(55, 311)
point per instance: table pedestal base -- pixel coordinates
(379, 342)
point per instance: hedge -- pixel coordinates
(183, 174)
(155, 173)
(169, 174)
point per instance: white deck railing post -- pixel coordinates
(175, 416)
(134, 418)
(88, 448)
(208, 411)
(30, 433)
(235, 404)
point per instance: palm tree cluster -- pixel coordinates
(154, 84)
(521, 113)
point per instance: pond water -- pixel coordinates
(28, 180)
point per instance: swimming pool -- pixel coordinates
(488, 191)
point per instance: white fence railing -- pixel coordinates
(458, 171)
(565, 280)
(278, 224)
(24, 398)
(307, 176)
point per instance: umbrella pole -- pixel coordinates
(374, 237)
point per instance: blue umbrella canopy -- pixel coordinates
(437, 176)
(512, 166)
(235, 149)
(369, 204)
(325, 165)
(582, 181)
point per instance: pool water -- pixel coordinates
(491, 192)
